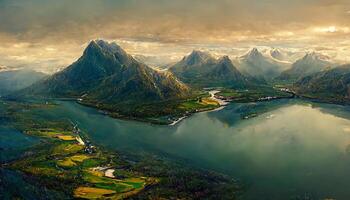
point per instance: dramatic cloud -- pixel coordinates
(53, 32)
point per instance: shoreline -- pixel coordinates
(222, 105)
(177, 121)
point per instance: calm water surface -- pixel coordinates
(293, 150)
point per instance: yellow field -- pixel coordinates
(66, 163)
(73, 160)
(209, 102)
(65, 148)
(79, 158)
(92, 193)
(66, 137)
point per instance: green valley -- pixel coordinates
(65, 160)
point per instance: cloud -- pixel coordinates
(53, 33)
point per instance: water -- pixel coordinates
(12, 146)
(294, 150)
(13, 143)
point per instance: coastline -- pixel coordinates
(222, 105)
(177, 121)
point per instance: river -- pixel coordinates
(292, 150)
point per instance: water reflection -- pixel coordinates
(292, 148)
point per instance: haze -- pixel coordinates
(47, 35)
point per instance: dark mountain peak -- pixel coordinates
(225, 60)
(106, 50)
(107, 74)
(92, 48)
(226, 67)
(110, 47)
(199, 53)
(106, 47)
(197, 57)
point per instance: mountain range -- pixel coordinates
(309, 64)
(14, 80)
(106, 74)
(282, 55)
(331, 84)
(254, 63)
(200, 69)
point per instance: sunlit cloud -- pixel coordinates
(50, 34)
(332, 29)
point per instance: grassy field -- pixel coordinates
(198, 105)
(67, 148)
(92, 193)
(62, 164)
(61, 159)
(160, 112)
(73, 160)
(66, 137)
(253, 94)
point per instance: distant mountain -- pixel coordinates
(14, 80)
(106, 74)
(160, 62)
(311, 63)
(332, 84)
(277, 54)
(200, 69)
(282, 55)
(257, 65)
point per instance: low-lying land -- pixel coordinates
(163, 113)
(168, 112)
(75, 169)
(62, 159)
(253, 94)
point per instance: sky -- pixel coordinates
(47, 35)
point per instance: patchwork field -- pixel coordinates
(61, 158)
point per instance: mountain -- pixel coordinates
(311, 63)
(200, 69)
(282, 55)
(13, 80)
(257, 65)
(332, 84)
(159, 61)
(277, 54)
(106, 74)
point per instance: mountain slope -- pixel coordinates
(14, 80)
(277, 54)
(257, 65)
(200, 69)
(282, 55)
(105, 73)
(332, 84)
(311, 63)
